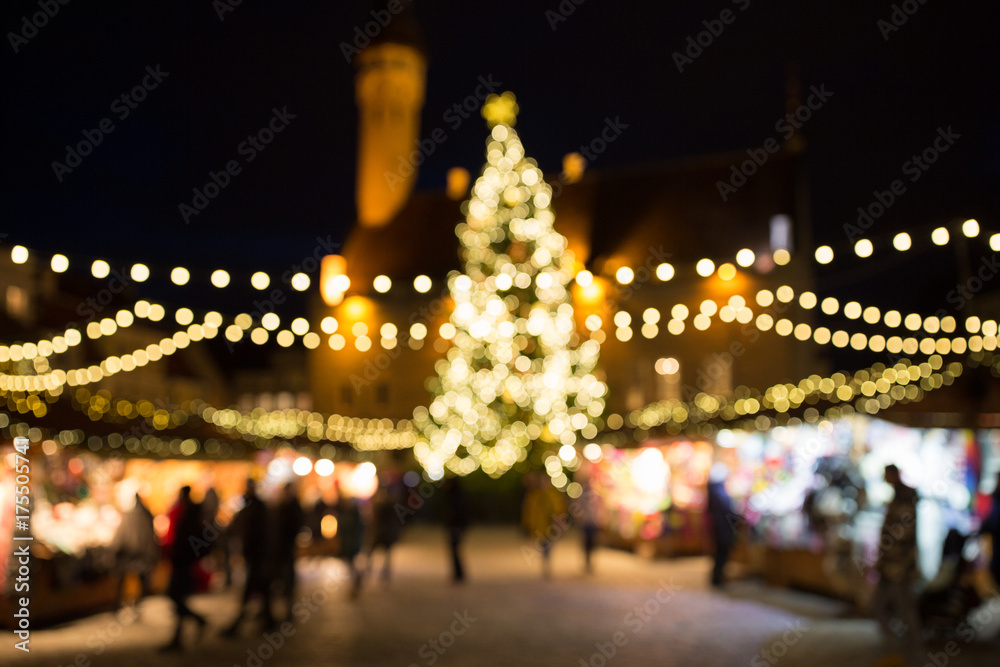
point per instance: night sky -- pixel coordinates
(892, 91)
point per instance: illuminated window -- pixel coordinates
(17, 302)
(781, 233)
(668, 379)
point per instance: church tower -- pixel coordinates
(389, 91)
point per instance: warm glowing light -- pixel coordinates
(382, 284)
(863, 248)
(19, 254)
(705, 267)
(727, 271)
(824, 254)
(100, 268)
(584, 278)
(300, 282)
(649, 472)
(260, 280)
(140, 273)
(324, 467)
(179, 275)
(220, 278)
(902, 242)
(328, 526)
(667, 366)
(745, 257)
(970, 228)
(333, 280)
(422, 284)
(665, 271)
(356, 307)
(782, 257)
(302, 466)
(59, 263)
(624, 275)
(940, 236)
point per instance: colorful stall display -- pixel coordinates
(812, 493)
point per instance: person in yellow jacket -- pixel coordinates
(544, 518)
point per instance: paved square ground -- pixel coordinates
(631, 611)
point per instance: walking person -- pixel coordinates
(543, 509)
(253, 527)
(136, 550)
(720, 516)
(290, 519)
(386, 525)
(456, 519)
(897, 569)
(183, 557)
(589, 521)
(350, 529)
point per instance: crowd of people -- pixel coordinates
(266, 536)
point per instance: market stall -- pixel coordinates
(808, 499)
(78, 500)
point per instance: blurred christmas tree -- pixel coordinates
(517, 377)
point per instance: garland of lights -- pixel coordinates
(624, 275)
(874, 388)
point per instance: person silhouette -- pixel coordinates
(253, 527)
(456, 519)
(897, 568)
(386, 525)
(720, 516)
(183, 556)
(290, 519)
(136, 550)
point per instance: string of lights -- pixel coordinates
(724, 268)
